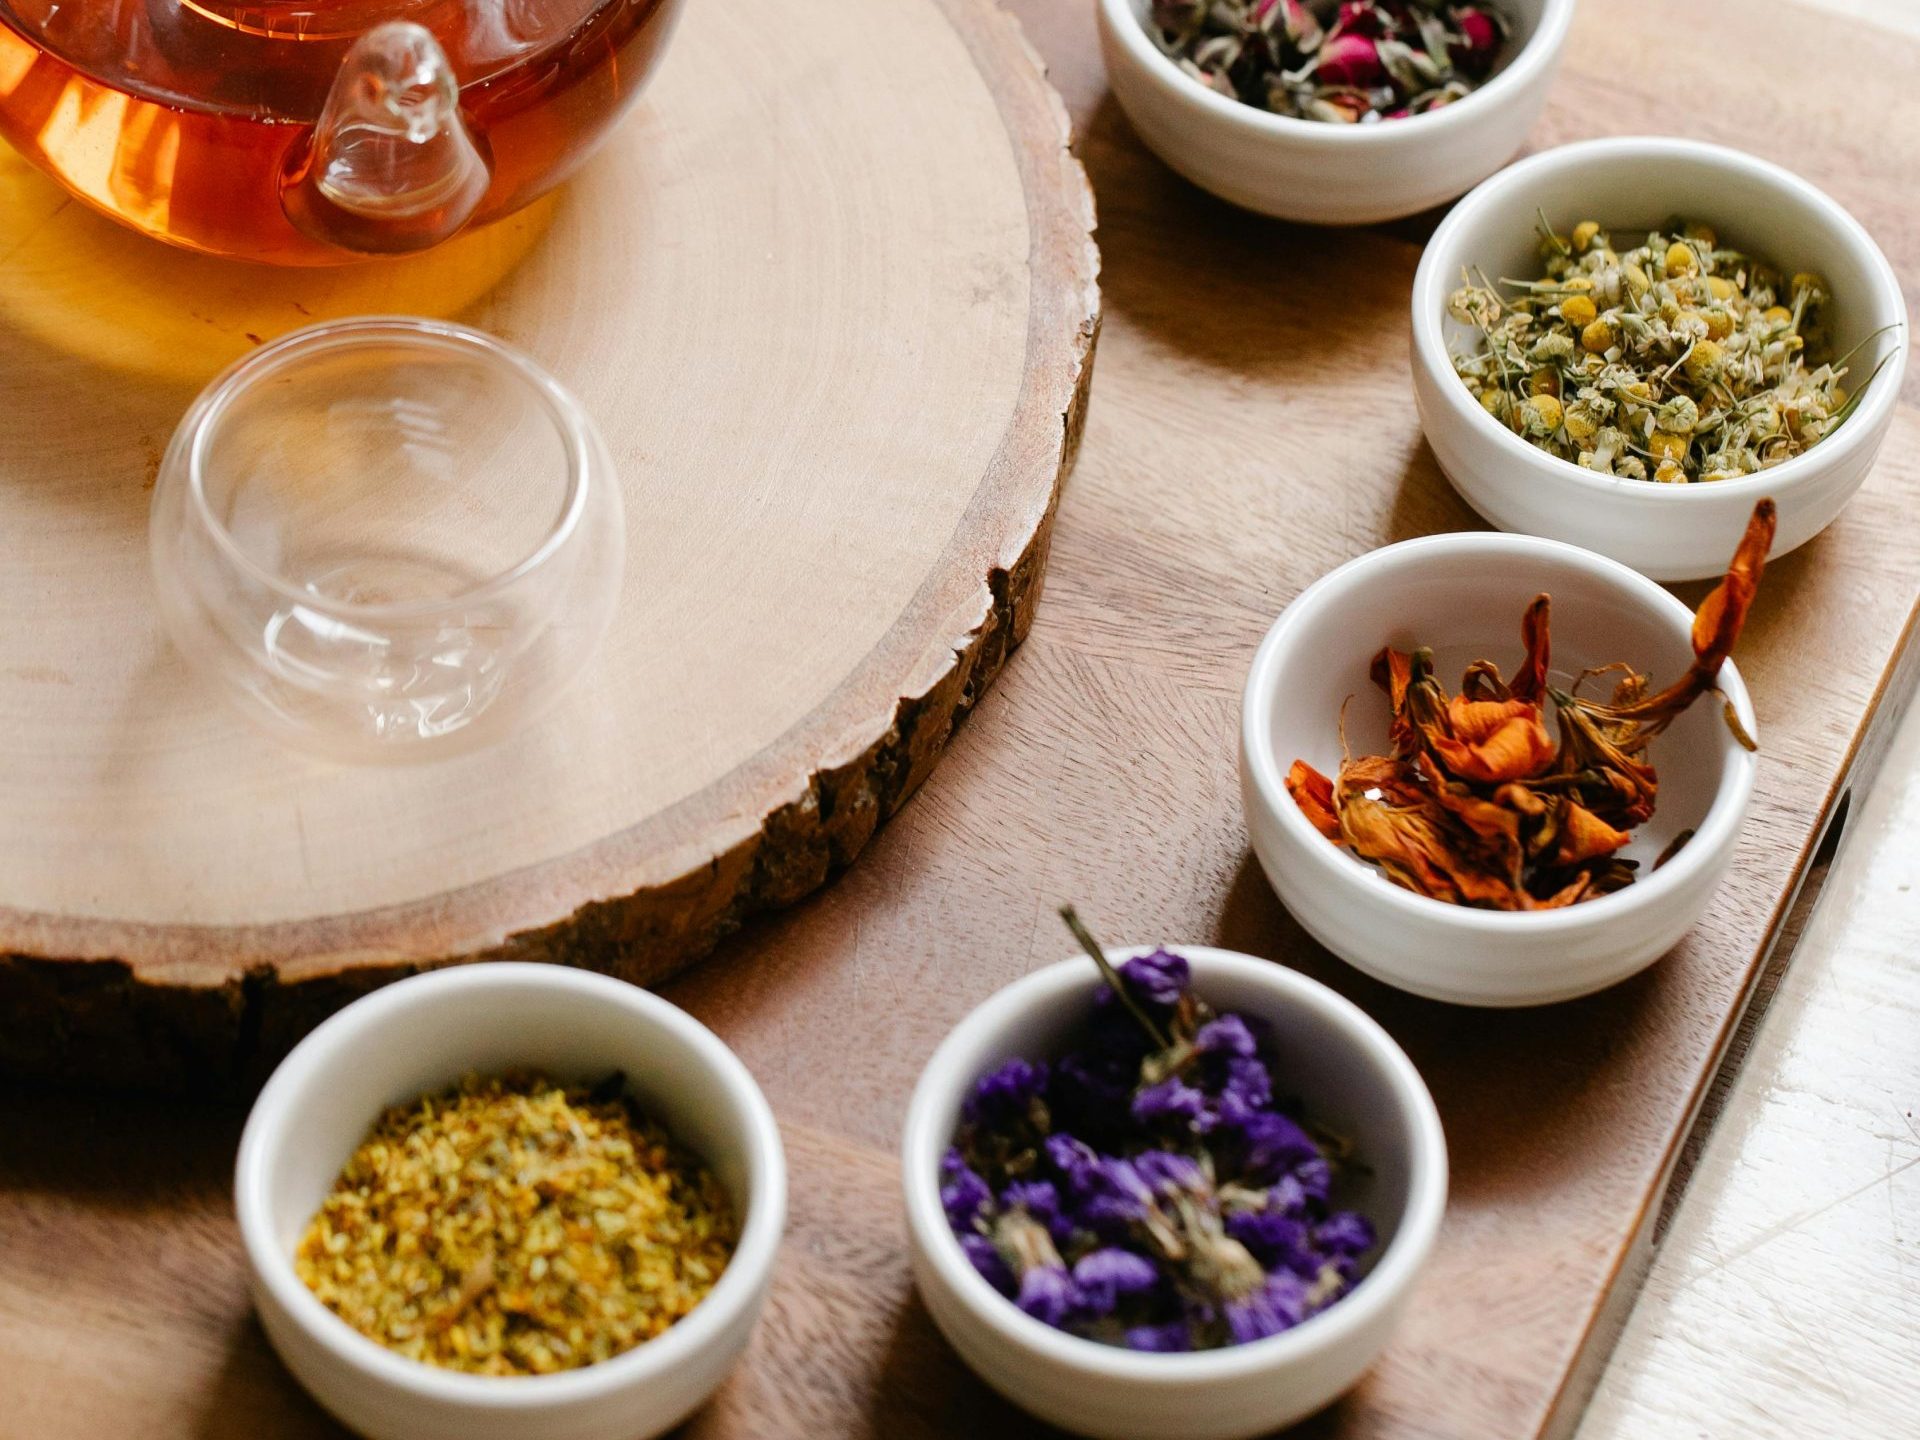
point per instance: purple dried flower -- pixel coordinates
(1005, 1096)
(1104, 1276)
(1172, 1101)
(1281, 1303)
(1048, 1294)
(962, 1192)
(1287, 1195)
(1103, 1194)
(1166, 1174)
(988, 1261)
(1344, 1233)
(1315, 1178)
(1224, 1035)
(1279, 1241)
(1164, 1339)
(1159, 979)
(1074, 1159)
(1271, 1145)
(1091, 1092)
(1088, 1195)
(1112, 1195)
(1039, 1199)
(1245, 1089)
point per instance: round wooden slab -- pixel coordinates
(830, 295)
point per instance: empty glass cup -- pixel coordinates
(387, 539)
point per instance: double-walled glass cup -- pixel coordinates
(387, 539)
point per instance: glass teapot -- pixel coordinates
(314, 132)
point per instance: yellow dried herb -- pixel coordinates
(513, 1226)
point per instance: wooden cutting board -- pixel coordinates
(1254, 428)
(831, 299)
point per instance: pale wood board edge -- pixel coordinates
(188, 1007)
(1769, 961)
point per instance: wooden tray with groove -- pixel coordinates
(1254, 427)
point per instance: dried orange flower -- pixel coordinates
(1478, 805)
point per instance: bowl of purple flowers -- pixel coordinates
(1178, 1192)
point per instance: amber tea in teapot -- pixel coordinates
(311, 132)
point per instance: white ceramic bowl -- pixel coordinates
(424, 1033)
(1331, 174)
(1670, 532)
(1462, 595)
(1352, 1078)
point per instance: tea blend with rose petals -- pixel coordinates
(1477, 805)
(1148, 1188)
(1354, 61)
(514, 1226)
(1678, 360)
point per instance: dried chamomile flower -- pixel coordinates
(1674, 360)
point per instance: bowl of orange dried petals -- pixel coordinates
(1500, 770)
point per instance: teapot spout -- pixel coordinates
(391, 166)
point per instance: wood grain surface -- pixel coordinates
(1253, 428)
(831, 299)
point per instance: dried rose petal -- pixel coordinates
(1359, 17)
(1481, 32)
(1350, 60)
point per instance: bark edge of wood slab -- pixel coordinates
(210, 1008)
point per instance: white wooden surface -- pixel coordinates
(1785, 1300)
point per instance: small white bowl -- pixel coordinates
(1670, 532)
(1325, 173)
(1462, 596)
(424, 1033)
(1352, 1078)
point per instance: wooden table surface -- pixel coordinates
(122, 1311)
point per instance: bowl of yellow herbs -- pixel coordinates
(1625, 343)
(508, 1202)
